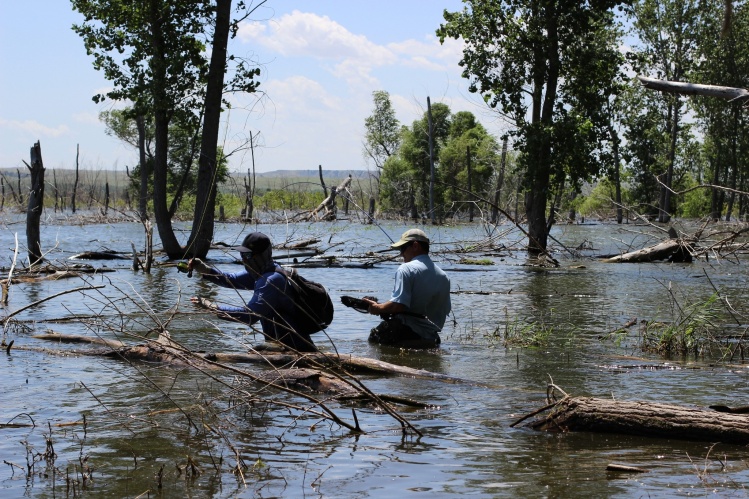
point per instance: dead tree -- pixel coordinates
(75, 183)
(36, 200)
(328, 204)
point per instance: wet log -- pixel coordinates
(673, 249)
(165, 351)
(645, 419)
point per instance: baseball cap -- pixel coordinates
(255, 242)
(409, 236)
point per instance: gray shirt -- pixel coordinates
(424, 289)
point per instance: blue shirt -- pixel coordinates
(272, 304)
(424, 289)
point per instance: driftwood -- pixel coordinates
(165, 351)
(328, 204)
(676, 250)
(644, 419)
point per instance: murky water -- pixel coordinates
(144, 420)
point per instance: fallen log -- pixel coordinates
(164, 351)
(649, 419)
(673, 249)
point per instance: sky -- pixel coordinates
(320, 62)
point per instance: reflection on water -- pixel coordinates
(143, 421)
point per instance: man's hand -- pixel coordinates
(372, 305)
(198, 266)
(204, 303)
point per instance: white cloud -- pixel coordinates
(34, 128)
(305, 34)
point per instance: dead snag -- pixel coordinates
(644, 419)
(328, 204)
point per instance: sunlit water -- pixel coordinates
(143, 418)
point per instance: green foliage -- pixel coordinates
(283, 199)
(695, 203)
(531, 332)
(458, 139)
(382, 137)
(599, 201)
(550, 67)
(693, 331)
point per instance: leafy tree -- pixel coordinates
(723, 59)
(382, 130)
(669, 33)
(154, 51)
(405, 177)
(549, 65)
(468, 143)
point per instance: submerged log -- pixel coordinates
(644, 419)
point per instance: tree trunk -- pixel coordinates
(75, 182)
(205, 202)
(500, 181)
(162, 117)
(431, 160)
(140, 123)
(470, 183)
(35, 207)
(645, 419)
(322, 182)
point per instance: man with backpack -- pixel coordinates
(278, 300)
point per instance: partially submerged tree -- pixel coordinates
(154, 51)
(552, 73)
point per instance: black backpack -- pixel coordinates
(315, 307)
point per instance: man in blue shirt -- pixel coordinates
(418, 307)
(272, 301)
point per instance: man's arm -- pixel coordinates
(387, 308)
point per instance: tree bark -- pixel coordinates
(162, 117)
(645, 419)
(35, 206)
(660, 251)
(75, 183)
(205, 202)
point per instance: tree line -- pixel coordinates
(562, 73)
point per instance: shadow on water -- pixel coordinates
(173, 431)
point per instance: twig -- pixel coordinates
(87, 288)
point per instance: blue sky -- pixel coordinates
(320, 61)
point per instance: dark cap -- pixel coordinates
(410, 236)
(255, 242)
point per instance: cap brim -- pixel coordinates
(398, 244)
(241, 249)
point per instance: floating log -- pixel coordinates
(644, 419)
